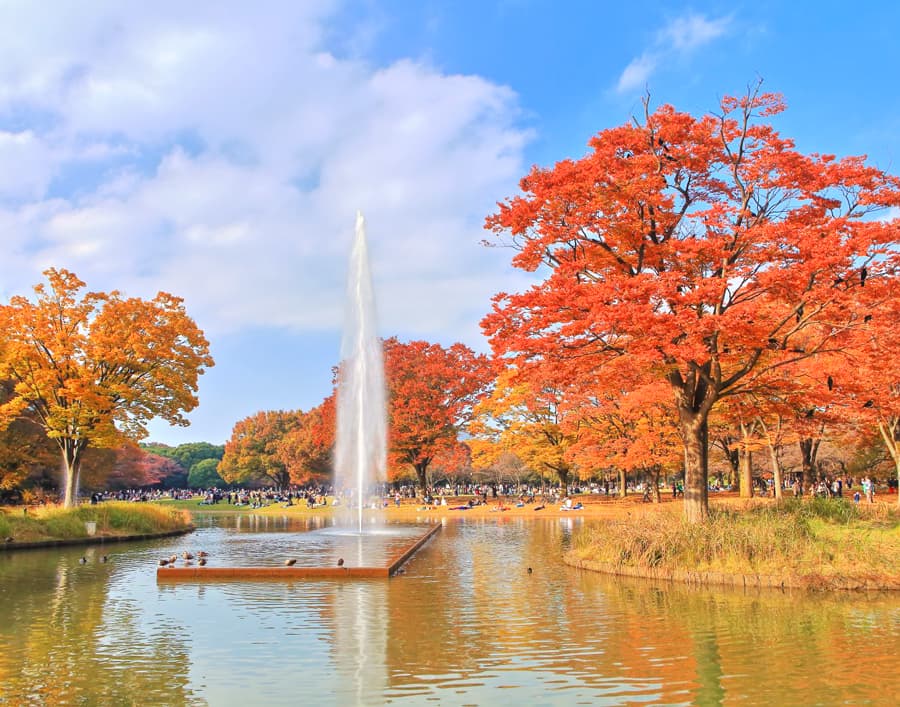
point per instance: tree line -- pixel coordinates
(699, 283)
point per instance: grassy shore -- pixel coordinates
(816, 543)
(113, 519)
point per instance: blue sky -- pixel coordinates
(219, 151)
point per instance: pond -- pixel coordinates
(465, 624)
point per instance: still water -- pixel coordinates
(466, 624)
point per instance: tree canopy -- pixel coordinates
(94, 367)
(432, 392)
(708, 250)
(204, 474)
(253, 453)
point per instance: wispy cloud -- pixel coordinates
(637, 72)
(680, 37)
(891, 214)
(685, 34)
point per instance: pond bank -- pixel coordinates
(819, 545)
(53, 526)
(92, 540)
(747, 581)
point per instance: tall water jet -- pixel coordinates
(361, 453)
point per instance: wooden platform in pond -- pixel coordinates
(207, 573)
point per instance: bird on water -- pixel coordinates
(290, 563)
(341, 562)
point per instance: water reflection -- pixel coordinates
(59, 629)
(465, 624)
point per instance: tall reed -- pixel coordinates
(819, 536)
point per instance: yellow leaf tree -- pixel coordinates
(524, 418)
(96, 367)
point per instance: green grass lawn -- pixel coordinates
(193, 505)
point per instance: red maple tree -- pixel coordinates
(431, 393)
(307, 449)
(706, 249)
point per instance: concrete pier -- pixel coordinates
(193, 573)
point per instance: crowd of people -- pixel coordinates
(320, 495)
(838, 487)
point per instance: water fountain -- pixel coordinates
(360, 461)
(361, 451)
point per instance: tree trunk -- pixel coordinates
(746, 473)
(890, 433)
(809, 449)
(745, 463)
(656, 498)
(777, 476)
(71, 454)
(563, 473)
(695, 396)
(695, 435)
(733, 457)
(422, 474)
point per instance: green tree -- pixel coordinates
(204, 474)
(190, 453)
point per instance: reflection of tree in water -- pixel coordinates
(783, 647)
(470, 618)
(464, 620)
(59, 636)
(478, 618)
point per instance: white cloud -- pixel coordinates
(678, 38)
(26, 165)
(637, 72)
(685, 34)
(891, 214)
(228, 150)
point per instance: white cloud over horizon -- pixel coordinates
(678, 38)
(220, 153)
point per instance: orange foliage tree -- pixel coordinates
(525, 419)
(307, 449)
(869, 383)
(432, 391)
(125, 467)
(626, 422)
(253, 453)
(24, 447)
(703, 248)
(95, 368)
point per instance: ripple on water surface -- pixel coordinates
(466, 624)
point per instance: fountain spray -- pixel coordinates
(361, 452)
